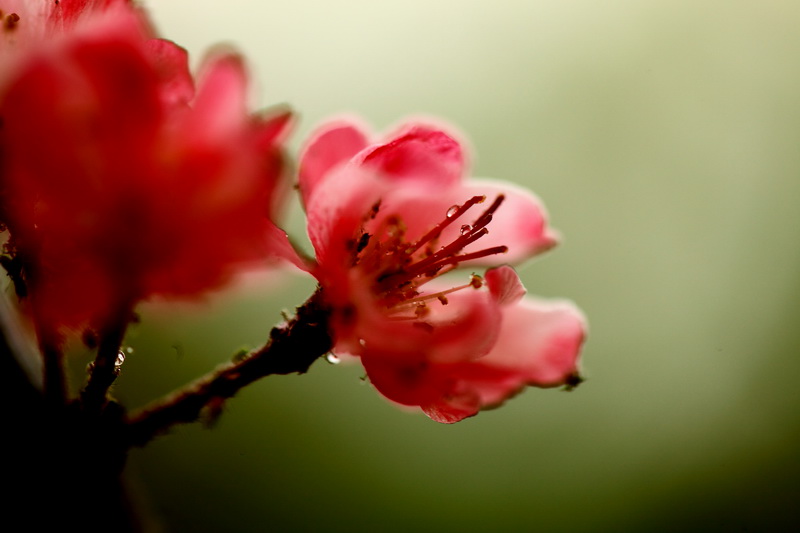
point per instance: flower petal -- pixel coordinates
(334, 214)
(464, 329)
(413, 381)
(281, 248)
(453, 409)
(138, 194)
(422, 153)
(520, 223)
(333, 144)
(171, 64)
(539, 345)
(220, 104)
(505, 285)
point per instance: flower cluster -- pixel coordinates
(123, 177)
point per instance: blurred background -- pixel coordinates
(664, 137)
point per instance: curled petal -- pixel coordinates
(505, 285)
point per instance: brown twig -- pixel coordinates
(292, 347)
(104, 370)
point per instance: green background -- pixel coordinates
(663, 137)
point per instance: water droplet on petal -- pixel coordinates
(452, 211)
(120, 359)
(362, 342)
(333, 359)
(466, 228)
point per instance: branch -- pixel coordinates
(292, 347)
(104, 370)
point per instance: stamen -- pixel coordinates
(468, 234)
(400, 272)
(455, 259)
(434, 296)
(452, 248)
(449, 219)
(486, 217)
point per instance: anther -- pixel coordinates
(11, 22)
(486, 216)
(476, 281)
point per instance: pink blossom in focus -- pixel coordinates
(121, 177)
(387, 221)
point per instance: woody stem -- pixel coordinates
(104, 370)
(292, 347)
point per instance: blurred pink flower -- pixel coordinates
(119, 179)
(387, 221)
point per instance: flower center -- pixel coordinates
(399, 268)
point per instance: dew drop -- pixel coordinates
(120, 359)
(466, 228)
(452, 211)
(333, 359)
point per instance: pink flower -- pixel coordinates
(387, 222)
(120, 180)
